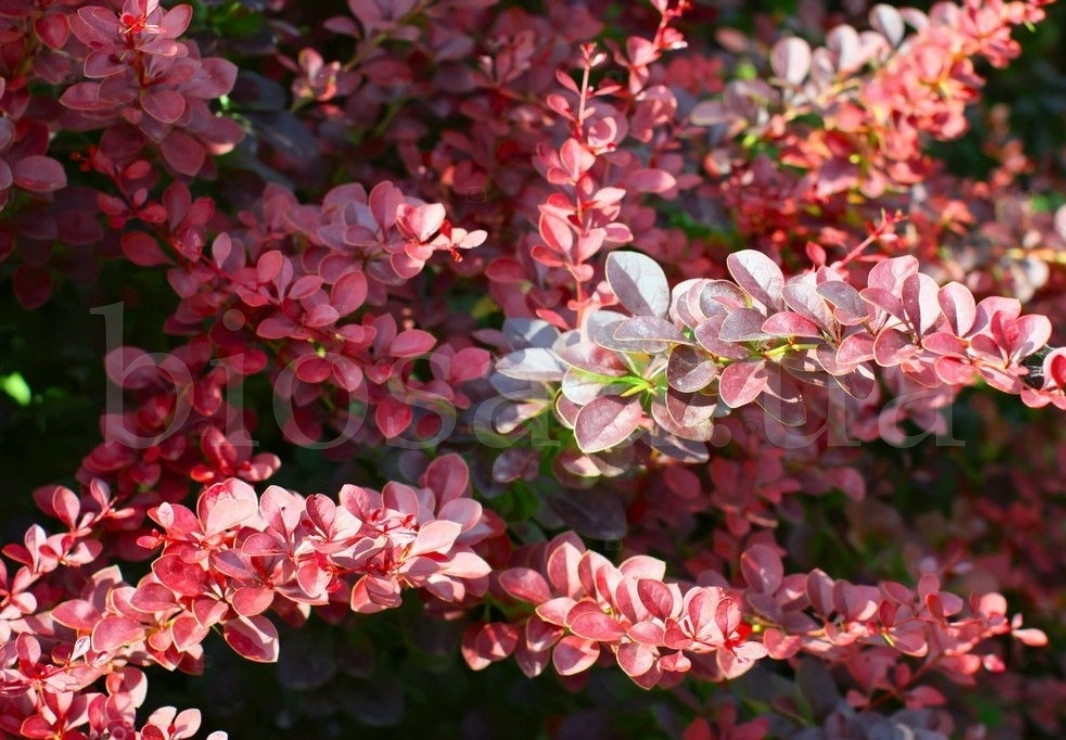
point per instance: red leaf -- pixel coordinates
(143, 250)
(33, 285)
(411, 343)
(184, 579)
(656, 597)
(650, 181)
(635, 659)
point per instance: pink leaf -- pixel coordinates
(113, 632)
(435, 536)
(650, 181)
(349, 292)
(166, 106)
(249, 601)
(573, 655)
(77, 614)
(595, 625)
(525, 584)
(152, 597)
(790, 59)
(254, 638)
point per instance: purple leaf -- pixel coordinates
(639, 283)
(850, 308)
(688, 370)
(920, 294)
(648, 333)
(606, 422)
(182, 152)
(534, 363)
(782, 399)
(689, 409)
(743, 325)
(39, 174)
(801, 295)
(762, 568)
(707, 335)
(758, 275)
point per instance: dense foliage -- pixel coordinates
(672, 369)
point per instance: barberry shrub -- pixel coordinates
(668, 369)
